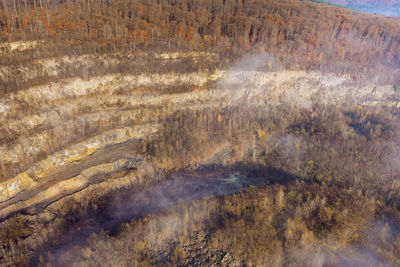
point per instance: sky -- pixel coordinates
(381, 7)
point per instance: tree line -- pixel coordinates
(301, 34)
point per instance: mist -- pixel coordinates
(126, 205)
(249, 82)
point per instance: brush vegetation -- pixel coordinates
(266, 185)
(329, 196)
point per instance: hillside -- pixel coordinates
(223, 133)
(347, 41)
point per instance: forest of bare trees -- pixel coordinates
(129, 136)
(329, 39)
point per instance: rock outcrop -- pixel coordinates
(58, 139)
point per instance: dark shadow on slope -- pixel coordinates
(207, 181)
(137, 202)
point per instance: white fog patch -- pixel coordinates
(259, 78)
(247, 76)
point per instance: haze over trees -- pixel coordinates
(198, 133)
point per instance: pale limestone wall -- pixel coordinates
(20, 45)
(111, 104)
(77, 152)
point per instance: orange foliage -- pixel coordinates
(301, 29)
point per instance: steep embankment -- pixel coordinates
(59, 138)
(289, 91)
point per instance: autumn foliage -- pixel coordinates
(301, 34)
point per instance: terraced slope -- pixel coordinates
(63, 137)
(115, 112)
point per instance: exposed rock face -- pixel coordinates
(61, 138)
